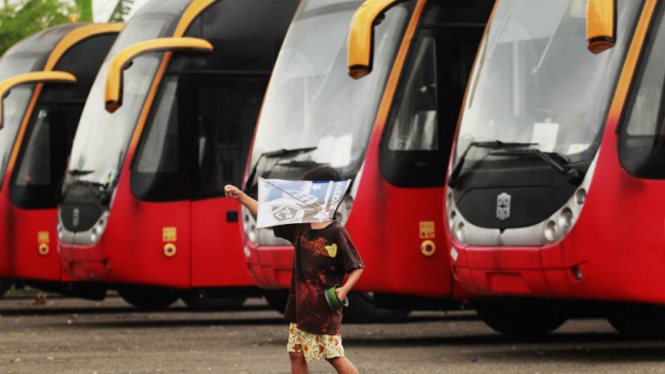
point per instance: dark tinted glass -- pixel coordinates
(198, 134)
(49, 135)
(415, 146)
(198, 137)
(642, 140)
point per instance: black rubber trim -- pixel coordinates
(366, 68)
(603, 39)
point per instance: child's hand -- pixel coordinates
(341, 293)
(232, 192)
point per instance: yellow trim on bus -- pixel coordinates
(73, 37)
(601, 20)
(32, 78)
(122, 60)
(360, 36)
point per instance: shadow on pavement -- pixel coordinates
(169, 324)
(597, 354)
(52, 311)
(554, 340)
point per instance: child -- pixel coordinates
(323, 255)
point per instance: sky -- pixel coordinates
(101, 9)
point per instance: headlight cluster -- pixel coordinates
(88, 237)
(99, 227)
(249, 225)
(457, 227)
(560, 223)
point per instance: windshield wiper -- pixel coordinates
(572, 175)
(494, 144)
(273, 154)
(78, 173)
(300, 163)
(287, 152)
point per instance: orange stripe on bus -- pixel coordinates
(630, 65)
(391, 86)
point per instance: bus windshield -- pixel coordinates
(312, 103)
(536, 83)
(14, 105)
(102, 138)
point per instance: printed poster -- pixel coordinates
(283, 202)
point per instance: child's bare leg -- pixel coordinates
(343, 365)
(298, 363)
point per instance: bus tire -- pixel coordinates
(639, 321)
(361, 309)
(277, 299)
(520, 319)
(215, 304)
(146, 298)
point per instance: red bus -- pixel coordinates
(142, 206)
(390, 132)
(39, 119)
(555, 177)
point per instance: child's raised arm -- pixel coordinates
(233, 192)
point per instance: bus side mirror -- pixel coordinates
(361, 38)
(125, 57)
(31, 78)
(601, 25)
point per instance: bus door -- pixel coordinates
(222, 110)
(416, 141)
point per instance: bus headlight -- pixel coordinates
(460, 231)
(249, 225)
(566, 218)
(580, 196)
(451, 219)
(551, 231)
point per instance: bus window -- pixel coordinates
(159, 169)
(642, 141)
(415, 125)
(418, 135)
(198, 137)
(226, 113)
(47, 142)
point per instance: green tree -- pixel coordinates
(30, 16)
(85, 10)
(121, 10)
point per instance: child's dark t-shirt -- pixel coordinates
(321, 259)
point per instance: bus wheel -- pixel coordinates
(277, 299)
(147, 298)
(4, 287)
(520, 318)
(215, 304)
(361, 309)
(640, 321)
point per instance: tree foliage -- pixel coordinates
(85, 10)
(30, 16)
(121, 10)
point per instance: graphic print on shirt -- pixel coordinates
(318, 246)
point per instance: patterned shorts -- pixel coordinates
(314, 346)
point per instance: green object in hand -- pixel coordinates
(333, 299)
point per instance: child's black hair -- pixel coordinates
(322, 173)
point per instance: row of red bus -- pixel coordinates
(536, 202)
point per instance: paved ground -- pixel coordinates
(74, 336)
